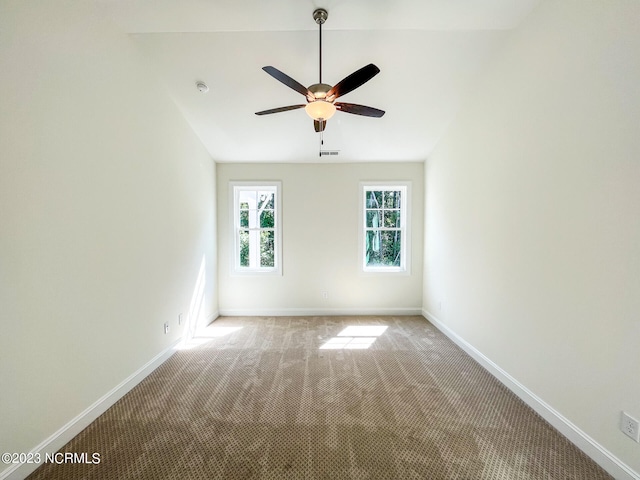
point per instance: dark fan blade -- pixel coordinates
(353, 81)
(287, 80)
(359, 109)
(319, 126)
(280, 109)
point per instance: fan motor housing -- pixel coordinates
(319, 90)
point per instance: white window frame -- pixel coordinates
(405, 215)
(234, 211)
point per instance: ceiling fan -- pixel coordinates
(321, 104)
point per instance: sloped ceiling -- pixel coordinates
(429, 53)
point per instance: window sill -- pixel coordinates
(385, 271)
(256, 272)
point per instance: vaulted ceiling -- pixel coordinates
(429, 53)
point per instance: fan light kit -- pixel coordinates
(320, 110)
(321, 104)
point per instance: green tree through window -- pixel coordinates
(384, 227)
(255, 214)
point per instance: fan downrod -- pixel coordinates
(320, 15)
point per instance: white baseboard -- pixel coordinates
(316, 312)
(608, 461)
(66, 433)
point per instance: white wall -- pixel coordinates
(320, 243)
(107, 212)
(532, 243)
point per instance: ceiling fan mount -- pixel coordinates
(320, 15)
(321, 104)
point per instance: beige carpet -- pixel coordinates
(266, 402)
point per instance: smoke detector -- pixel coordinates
(202, 87)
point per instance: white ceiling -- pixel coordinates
(428, 51)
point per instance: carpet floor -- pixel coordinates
(303, 398)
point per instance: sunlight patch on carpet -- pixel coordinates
(206, 335)
(355, 337)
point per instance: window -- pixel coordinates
(256, 220)
(384, 233)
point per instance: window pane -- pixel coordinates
(244, 218)
(266, 219)
(383, 248)
(392, 199)
(265, 200)
(374, 218)
(392, 219)
(374, 199)
(372, 254)
(248, 218)
(247, 199)
(390, 248)
(244, 248)
(267, 248)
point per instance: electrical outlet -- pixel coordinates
(325, 295)
(630, 426)
(166, 328)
